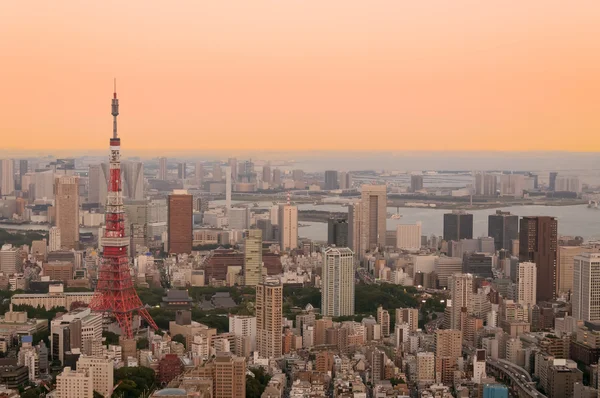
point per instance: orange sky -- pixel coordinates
(302, 75)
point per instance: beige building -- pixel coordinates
(586, 287)
(7, 177)
(101, 370)
(10, 259)
(52, 299)
(269, 296)
(409, 316)
(461, 293)
(448, 343)
(253, 258)
(337, 293)
(67, 210)
(374, 216)
(288, 226)
(408, 236)
(425, 367)
(75, 384)
(227, 373)
(527, 284)
(564, 266)
(383, 319)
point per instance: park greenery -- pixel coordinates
(133, 382)
(18, 239)
(256, 385)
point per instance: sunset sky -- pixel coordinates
(301, 74)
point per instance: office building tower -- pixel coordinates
(416, 183)
(267, 175)
(425, 367)
(345, 180)
(448, 348)
(181, 171)
(74, 384)
(67, 210)
(253, 258)
(478, 264)
(276, 178)
(526, 284)
(95, 185)
(538, 244)
(10, 259)
(229, 376)
(373, 217)
(504, 228)
(354, 226)
(7, 177)
(101, 370)
(269, 301)
(383, 319)
(180, 222)
(567, 184)
(79, 329)
(552, 181)
(217, 173)
(485, 184)
(461, 294)
(337, 232)
(337, 292)
(458, 225)
(199, 174)
(54, 241)
(233, 163)
(445, 267)
(266, 227)
(586, 287)
(244, 328)
(408, 236)
(162, 169)
(239, 218)
(331, 180)
(561, 380)
(288, 226)
(564, 266)
(409, 316)
(133, 180)
(495, 391)
(514, 185)
(228, 191)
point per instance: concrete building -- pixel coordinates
(133, 180)
(79, 329)
(461, 293)
(269, 302)
(568, 184)
(383, 319)
(416, 182)
(7, 177)
(564, 266)
(425, 367)
(180, 222)
(253, 264)
(458, 225)
(373, 218)
(67, 210)
(288, 227)
(337, 293)
(445, 267)
(55, 240)
(337, 232)
(239, 218)
(408, 236)
(101, 370)
(331, 180)
(10, 259)
(504, 228)
(527, 284)
(244, 328)
(586, 287)
(409, 316)
(75, 384)
(538, 244)
(162, 169)
(486, 184)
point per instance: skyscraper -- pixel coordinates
(337, 293)
(416, 182)
(538, 244)
(276, 178)
(485, 184)
(526, 284)
(383, 319)
(233, 163)
(253, 258)
(267, 175)
(162, 169)
(586, 287)
(504, 228)
(408, 236)
(133, 180)
(288, 226)
(180, 222)
(23, 169)
(354, 226)
(269, 301)
(181, 171)
(410, 316)
(374, 216)
(331, 180)
(67, 210)
(7, 177)
(337, 232)
(461, 293)
(199, 173)
(458, 225)
(565, 264)
(552, 181)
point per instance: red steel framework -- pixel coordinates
(115, 293)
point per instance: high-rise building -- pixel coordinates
(461, 293)
(416, 182)
(10, 259)
(233, 163)
(75, 384)
(267, 175)
(586, 287)
(458, 225)
(383, 319)
(79, 329)
(337, 292)
(181, 171)
(337, 232)
(354, 226)
(526, 284)
(101, 370)
(495, 391)
(538, 244)
(331, 180)
(97, 183)
(244, 328)
(567, 184)
(253, 258)
(564, 266)
(288, 226)
(67, 210)
(7, 177)
(226, 373)
(239, 218)
(199, 173)
(43, 185)
(133, 180)
(373, 217)
(276, 178)
(426, 367)
(345, 180)
(485, 184)
(504, 228)
(269, 302)
(162, 169)
(408, 236)
(448, 348)
(552, 181)
(410, 316)
(180, 222)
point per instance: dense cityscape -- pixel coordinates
(177, 277)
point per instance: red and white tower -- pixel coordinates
(115, 293)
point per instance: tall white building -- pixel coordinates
(408, 236)
(527, 284)
(75, 384)
(133, 180)
(288, 227)
(253, 258)
(101, 370)
(586, 287)
(81, 329)
(461, 293)
(54, 242)
(337, 292)
(243, 326)
(7, 177)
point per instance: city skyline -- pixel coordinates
(520, 75)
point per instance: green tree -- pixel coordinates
(179, 338)
(111, 338)
(133, 381)
(256, 385)
(142, 343)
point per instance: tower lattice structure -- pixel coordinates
(115, 293)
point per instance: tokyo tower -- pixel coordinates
(115, 294)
